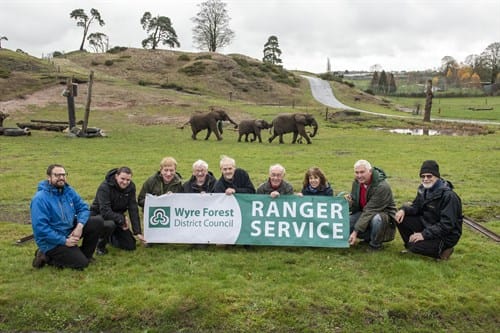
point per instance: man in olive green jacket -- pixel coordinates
(372, 206)
(167, 180)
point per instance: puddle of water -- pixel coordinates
(415, 131)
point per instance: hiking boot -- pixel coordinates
(40, 259)
(446, 254)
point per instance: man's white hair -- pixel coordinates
(364, 163)
(200, 163)
(227, 160)
(277, 166)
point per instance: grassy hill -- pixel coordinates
(212, 74)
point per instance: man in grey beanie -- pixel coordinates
(432, 224)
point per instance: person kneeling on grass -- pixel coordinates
(113, 198)
(432, 224)
(60, 219)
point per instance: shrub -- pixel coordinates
(183, 57)
(108, 62)
(57, 54)
(4, 73)
(204, 56)
(117, 49)
(94, 63)
(198, 68)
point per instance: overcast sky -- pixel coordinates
(353, 34)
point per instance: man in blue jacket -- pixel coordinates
(60, 219)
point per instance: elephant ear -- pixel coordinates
(300, 118)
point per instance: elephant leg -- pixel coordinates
(217, 134)
(254, 137)
(281, 138)
(294, 139)
(246, 137)
(194, 134)
(272, 137)
(305, 136)
(209, 131)
(239, 138)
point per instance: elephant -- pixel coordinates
(293, 123)
(252, 126)
(211, 121)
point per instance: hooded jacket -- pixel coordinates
(156, 186)
(441, 211)
(207, 187)
(111, 202)
(379, 200)
(55, 213)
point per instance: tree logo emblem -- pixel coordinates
(159, 217)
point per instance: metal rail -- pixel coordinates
(478, 227)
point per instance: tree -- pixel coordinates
(1, 39)
(392, 84)
(159, 29)
(211, 29)
(374, 82)
(84, 21)
(428, 101)
(98, 41)
(328, 66)
(491, 60)
(272, 51)
(382, 82)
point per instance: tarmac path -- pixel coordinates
(323, 93)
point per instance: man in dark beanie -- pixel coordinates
(432, 224)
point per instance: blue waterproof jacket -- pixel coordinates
(54, 214)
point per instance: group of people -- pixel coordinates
(431, 225)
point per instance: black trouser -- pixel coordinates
(122, 239)
(412, 224)
(78, 257)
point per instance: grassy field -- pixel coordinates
(174, 288)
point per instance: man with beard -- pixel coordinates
(275, 185)
(432, 224)
(114, 197)
(60, 219)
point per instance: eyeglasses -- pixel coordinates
(59, 175)
(426, 176)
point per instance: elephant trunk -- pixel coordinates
(315, 129)
(232, 122)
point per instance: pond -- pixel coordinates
(432, 132)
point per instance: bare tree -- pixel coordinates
(428, 101)
(159, 29)
(1, 39)
(211, 29)
(84, 21)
